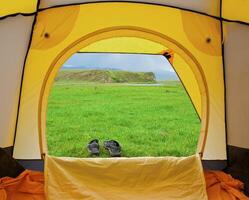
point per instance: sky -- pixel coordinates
(129, 62)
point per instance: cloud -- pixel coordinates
(66, 65)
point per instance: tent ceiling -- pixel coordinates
(204, 6)
(125, 45)
(9, 7)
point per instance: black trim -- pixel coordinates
(156, 4)
(224, 77)
(37, 165)
(23, 70)
(8, 165)
(16, 14)
(207, 164)
(239, 165)
(127, 1)
(214, 164)
(148, 3)
(36, 159)
(235, 21)
(184, 89)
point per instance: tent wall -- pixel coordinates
(14, 39)
(236, 53)
(203, 6)
(237, 83)
(62, 31)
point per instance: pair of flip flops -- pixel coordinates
(111, 145)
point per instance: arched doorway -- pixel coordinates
(114, 32)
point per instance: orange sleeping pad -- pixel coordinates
(222, 186)
(29, 185)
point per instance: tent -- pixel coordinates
(209, 38)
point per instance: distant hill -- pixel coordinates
(105, 76)
(159, 75)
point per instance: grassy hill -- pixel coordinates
(106, 76)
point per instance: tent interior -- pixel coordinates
(206, 42)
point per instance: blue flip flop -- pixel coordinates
(113, 147)
(93, 147)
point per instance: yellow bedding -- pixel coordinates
(146, 178)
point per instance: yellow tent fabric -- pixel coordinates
(236, 10)
(124, 45)
(60, 32)
(8, 7)
(145, 178)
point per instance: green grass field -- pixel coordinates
(145, 120)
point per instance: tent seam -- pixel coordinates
(224, 79)
(18, 14)
(22, 76)
(148, 3)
